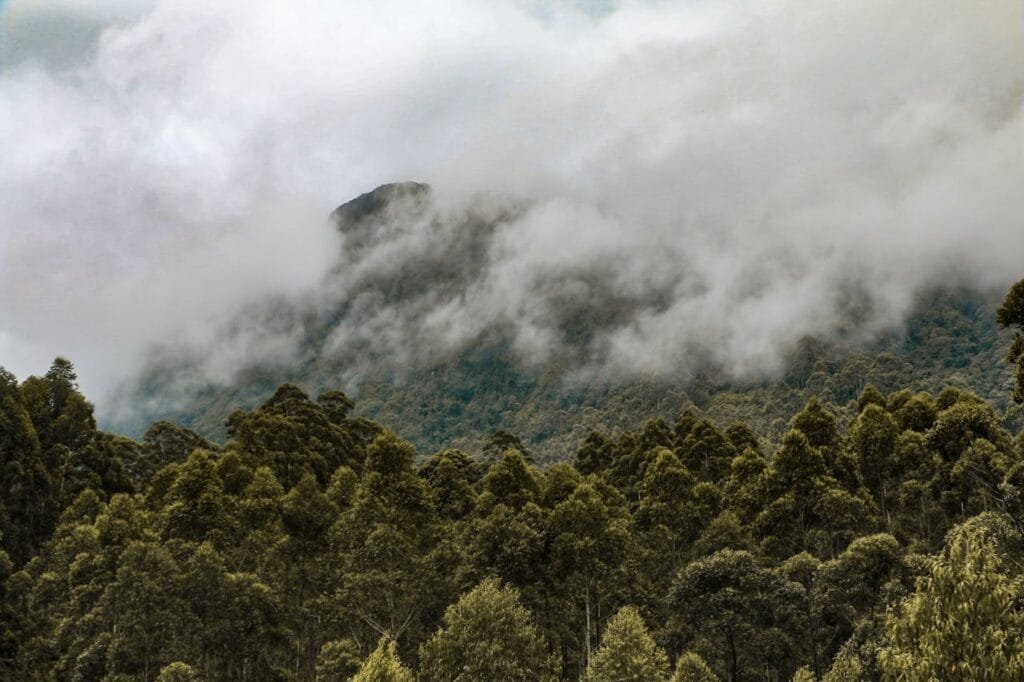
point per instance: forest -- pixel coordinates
(318, 545)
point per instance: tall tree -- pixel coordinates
(383, 665)
(487, 635)
(26, 495)
(964, 622)
(740, 611)
(1011, 314)
(628, 652)
(589, 536)
(692, 668)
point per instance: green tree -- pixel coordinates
(739, 611)
(706, 451)
(487, 635)
(666, 504)
(873, 438)
(196, 507)
(818, 424)
(178, 672)
(501, 442)
(595, 454)
(338, 660)
(26, 490)
(589, 534)
(1011, 314)
(306, 515)
(294, 436)
(627, 652)
(452, 475)
(389, 576)
(511, 481)
(164, 443)
(692, 668)
(144, 603)
(854, 588)
(383, 665)
(870, 396)
(965, 620)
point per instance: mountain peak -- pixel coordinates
(371, 203)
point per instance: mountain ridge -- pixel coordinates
(461, 394)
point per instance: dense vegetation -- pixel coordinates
(318, 545)
(951, 339)
(459, 397)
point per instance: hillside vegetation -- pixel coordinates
(460, 397)
(315, 544)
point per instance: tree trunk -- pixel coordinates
(588, 623)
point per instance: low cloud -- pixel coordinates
(629, 189)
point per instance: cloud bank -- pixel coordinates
(632, 188)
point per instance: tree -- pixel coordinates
(740, 611)
(144, 604)
(306, 515)
(164, 443)
(589, 534)
(795, 483)
(501, 442)
(595, 454)
(451, 475)
(667, 500)
(627, 652)
(295, 436)
(196, 508)
(235, 626)
(507, 543)
(817, 423)
(854, 588)
(336, 405)
(797, 465)
(964, 622)
(870, 396)
(26, 497)
(383, 665)
(846, 666)
(873, 437)
(706, 451)
(387, 574)
(178, 672)
(338, 660)
(1011, 314)
(692, 668)
(511, 481)
(487, 635)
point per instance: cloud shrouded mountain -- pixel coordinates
(633, 192)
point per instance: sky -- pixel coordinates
(736, 174)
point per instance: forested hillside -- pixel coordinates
(459, 397)
(315, 544)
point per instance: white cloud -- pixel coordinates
(726, 173)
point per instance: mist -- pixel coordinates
(691, 182)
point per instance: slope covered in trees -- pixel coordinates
(444, 399)
(315, 544)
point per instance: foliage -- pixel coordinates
(383, 665)
(627, 652)
(877, 535)
(486, 635)
(964, 622)
(691, 668)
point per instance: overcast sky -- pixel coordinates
(165, 165)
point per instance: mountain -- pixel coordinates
(404, 256)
